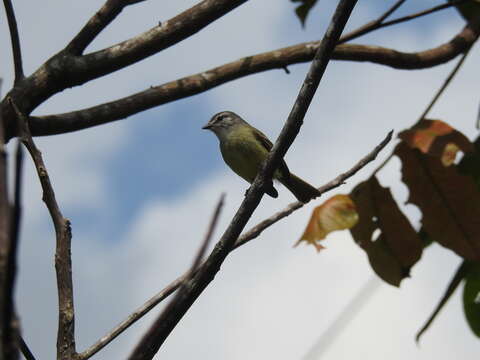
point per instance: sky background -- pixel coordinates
(139, 192)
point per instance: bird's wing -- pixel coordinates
(267, 144)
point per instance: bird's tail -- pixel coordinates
(302, 190)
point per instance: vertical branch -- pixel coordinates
(63, 262)
(8, 323)
(152, 341)
(17, 52)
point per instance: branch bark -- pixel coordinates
(151, 342)
(276, 59)
(102, 18)
(63, 262)
(15, 40)
(8, 322)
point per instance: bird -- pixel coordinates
(245, 148)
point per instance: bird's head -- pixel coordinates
(223, 122)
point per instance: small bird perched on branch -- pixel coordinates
(245, 148)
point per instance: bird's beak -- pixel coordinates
(207, 126)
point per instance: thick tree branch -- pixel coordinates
(109, 11)
(149, 344)
(15, 40)
(253, 233)
(277, 59)
(63, 261)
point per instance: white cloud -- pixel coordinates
(269, 301)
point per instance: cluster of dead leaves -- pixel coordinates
(446, 193)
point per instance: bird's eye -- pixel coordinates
(221, 117)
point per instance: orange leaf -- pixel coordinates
(337, 213)
(436, 138)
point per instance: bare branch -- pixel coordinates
(27, 354)
(379, 24)
(208, 236)
(104, 341)
(253, 233)
(8, 322)
(150, 344)
(183, 289)
(63, 261)
(445, 84)
(372, 25)
(15, 40)
(109, 11)
(452, 286)
(277, 59)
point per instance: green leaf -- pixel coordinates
(303, 9)
(471, 298)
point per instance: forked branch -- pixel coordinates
(63, 262)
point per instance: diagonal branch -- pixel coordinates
(102, 18)
(276, 59)
(371, 25)
(15, 40)
(253, 233)
(152, 341)
(378, 23)
(103, 62)
(63, 261)
(452, 286)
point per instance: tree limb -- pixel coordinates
(15, 40)
(151, 342)
(63, 261)
(102, 18)
(276, 59)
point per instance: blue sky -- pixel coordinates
(139, 198)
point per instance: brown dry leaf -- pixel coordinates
(397, 247)
(437, 138)
(337, 213)
(449, 201)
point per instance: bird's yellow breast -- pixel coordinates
(243, 153)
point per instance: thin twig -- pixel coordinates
(253, 233)
(378, 23)
(97, 23)
(152, 302)
(208, 236)
(371, 25)
(25, 350)
(63, 261)
(437, 95)
(15, 40)
(445, 84)
(452, 286)
(155, 337)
